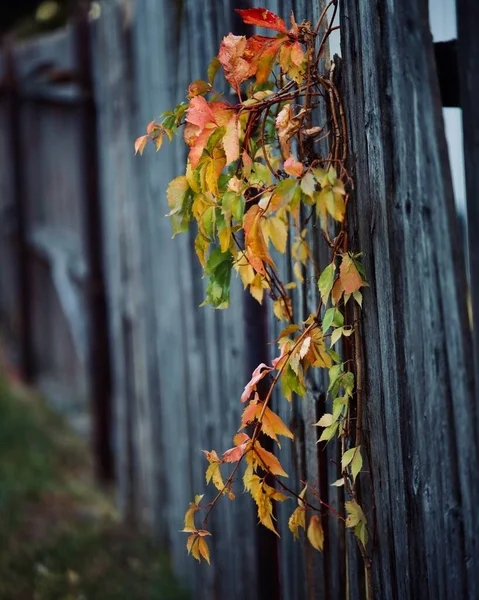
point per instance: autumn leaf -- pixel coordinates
(315, 533)
(293, 167)
(297, 520)
(262, 17)
(231, 140)
(203, 548)
(256, 248)
(199, 113)
(269, 461)
(236, 453)
(271, 424)
(198, 87)
(351, 280)
(261, 371)
(276, 230)
(140, 144)
(235, 65)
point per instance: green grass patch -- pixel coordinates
(59, 536)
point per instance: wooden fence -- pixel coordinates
(77, 231)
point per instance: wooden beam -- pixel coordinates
(468, 47)
(98, 338)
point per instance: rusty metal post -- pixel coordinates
(99, 364)
(24, 282)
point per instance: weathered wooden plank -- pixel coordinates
(417, 344)
(468, 51)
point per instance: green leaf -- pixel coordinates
(328, 319)
(334, 355)
(291, 382)
(233, 204)
(326, 280)
(329, 432)
(335, 373)
(284, 193)
(213, 69)
(357, 463)
(218, 268)
(308, 184)
(325, 421)
(348, 383)
(347, 458)
(361, 532)
(337, 333)
(358, 297)
(355, 514)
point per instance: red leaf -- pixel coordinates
(199, 113)
(263, 18)
(258, 374)
(235, 61)
(293, 167)
(234, 454)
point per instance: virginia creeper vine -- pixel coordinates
(253, 169)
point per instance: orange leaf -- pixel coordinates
(293, 167)
(203, 548)
(256, 248)
(273, 425)
(263, 18)
(337, 291)
(269, 461)
(140, 144)
(350, 278)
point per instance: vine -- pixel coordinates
(253, 175)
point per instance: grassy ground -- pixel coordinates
(59, 536)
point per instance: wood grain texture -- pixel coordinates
(417, 343)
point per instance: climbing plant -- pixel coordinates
(255, 174)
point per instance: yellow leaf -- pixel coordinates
(190, 519)
(298, 271)
(224, 237)
(213, 473)
(355, 514)
(297, 520)
(203, 548)
(195, 549)
(245, 270)
(315, 533)
(275, 229)
(248, 477)
(280, 310)
(256, 248)
(256, 288)
(189, 542)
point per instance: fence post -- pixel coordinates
(24, 283)
(99, 364)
